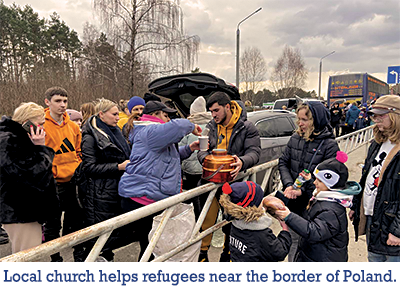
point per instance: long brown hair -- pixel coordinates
(392, 133)
(135, 116)
(307, 135)
(87, 110)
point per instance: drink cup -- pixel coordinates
(203, 140)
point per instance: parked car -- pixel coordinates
(275, 127)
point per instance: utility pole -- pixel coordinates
(320, 72)
(238, 45)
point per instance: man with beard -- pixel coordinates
(229, 130)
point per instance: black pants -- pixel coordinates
(73, 217)
(191, 182)
(336, 127)
(140, 228)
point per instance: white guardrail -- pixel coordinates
(347, 143)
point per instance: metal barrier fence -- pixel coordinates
(102, 230)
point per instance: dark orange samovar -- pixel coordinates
(217, 166)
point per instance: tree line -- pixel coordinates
(145, 39)
(140, 40)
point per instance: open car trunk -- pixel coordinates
(183, 89)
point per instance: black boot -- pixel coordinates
(56, 258)
(3, 237)
(203, 257)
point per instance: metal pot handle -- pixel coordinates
(213, 174)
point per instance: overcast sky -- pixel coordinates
(365, 35)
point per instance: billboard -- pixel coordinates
(346, 85)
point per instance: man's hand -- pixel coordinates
(291, 193)
(393, 240)
(238, 165)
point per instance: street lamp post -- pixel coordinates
(320, 71)
(238, 45)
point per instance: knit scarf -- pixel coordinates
(115, 136)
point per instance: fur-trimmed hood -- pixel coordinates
(246, 218)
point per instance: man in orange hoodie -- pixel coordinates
(64, 137)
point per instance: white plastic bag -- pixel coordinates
(178, 230)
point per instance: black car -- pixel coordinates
(183, 89)
(275, 127)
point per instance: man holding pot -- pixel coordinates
(229, 130)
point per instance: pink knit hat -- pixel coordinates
(74, 115)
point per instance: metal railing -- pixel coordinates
(103, 230)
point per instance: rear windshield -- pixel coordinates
(279, 104)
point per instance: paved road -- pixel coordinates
(357, 251)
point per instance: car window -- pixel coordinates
(293, 118)
(275, 127)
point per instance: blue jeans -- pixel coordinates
(374, 257)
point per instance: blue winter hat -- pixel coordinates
(244, 194)
(134, 101)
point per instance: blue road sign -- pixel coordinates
(393, 75)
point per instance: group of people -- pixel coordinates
(353, 116)
(109, 158)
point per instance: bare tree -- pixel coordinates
(149, 35)
(289, 73)
(252, 72)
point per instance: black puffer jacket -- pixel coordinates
(244, 141)
(323, 231)
(28, 191)
(297, 157)
(386, 217)
(100, 159)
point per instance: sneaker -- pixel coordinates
(203, 257)
(101, 259)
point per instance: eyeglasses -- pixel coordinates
(380, 117)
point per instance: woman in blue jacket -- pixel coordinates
(154, 171)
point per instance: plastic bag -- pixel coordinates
(178, 230)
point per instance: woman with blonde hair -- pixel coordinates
(28, 196)
(376, 213)
(105, 154)
(312, 143)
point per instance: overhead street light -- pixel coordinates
(320, 70)
(238, 44)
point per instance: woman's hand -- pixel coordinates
(291, 193)
(351, 215)
(195, 146)
(197, 130)
(122, 167)
(38, 137)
